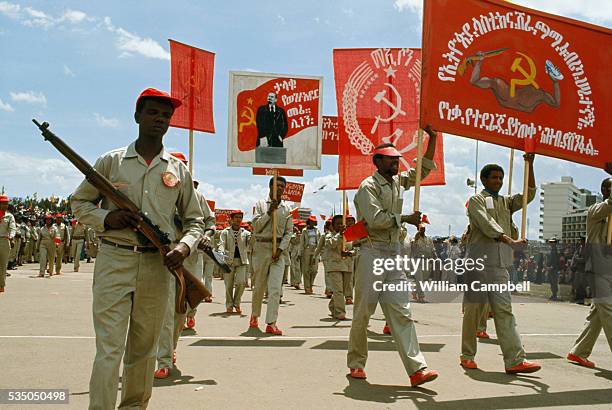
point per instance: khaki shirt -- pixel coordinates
(305, 238)
(49, 234)
(379, 202)
(489, 219)
(597, 232)
(78, 232)
(262, 223)
(332, 256)
(8, 228)
(143, 185)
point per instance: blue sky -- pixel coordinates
(80, 66)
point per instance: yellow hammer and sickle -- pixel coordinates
(528, 78)
(249, 115)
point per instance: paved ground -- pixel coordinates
(46, 341)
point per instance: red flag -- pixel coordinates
(192, 73)
(424, 219)
(211, 205)
(378, 92)
(510, 75)
(293, 192)
(330, 135)
(355, 232)
(295, 213)
(279, 171)
(222, 215)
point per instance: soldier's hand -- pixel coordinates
(174, 259)
(430, 131)
(277, 254)
(12, 243)
(205, 243)
(273, 206)
(412, 219)
(121, 219)
(529, 157)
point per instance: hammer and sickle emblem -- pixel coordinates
(528, 78)
(397, 108)
(249, 115)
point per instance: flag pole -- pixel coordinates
(525, 202)
(274, 213)
(191, 152)
(344, 212)
(510, 171)
(417, 182)
(609, 229)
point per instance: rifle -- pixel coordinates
(188, 288)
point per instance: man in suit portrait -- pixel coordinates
(271, 123)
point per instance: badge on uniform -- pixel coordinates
(169, 179)
(489, 202)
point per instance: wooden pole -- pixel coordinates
(274, 215)
(525, 194)
(191, 152)
(344, 212)
(510, 171)
(609, 229)
(417, 182)
(476, 170)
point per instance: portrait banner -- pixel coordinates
(274, 121)
(279, 171)
(516, 77)
(377, 93)
(330, 135)
(293, 192)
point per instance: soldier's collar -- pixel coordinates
(379, 178)
(486, 192)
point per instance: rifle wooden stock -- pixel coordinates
(189, 288)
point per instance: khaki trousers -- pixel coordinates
(59, 257)
(29, 251)
(268, 275)
(130, 294)
(47, 256)
(235, 282)
(600, 316)
(395, 306)
(5, 250)
(476, 308)
(339, 283)
(198, 273)
(15, 250)
(78, 247)
(309, 267)
(296, 272)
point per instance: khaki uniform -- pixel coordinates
(76, 244)
(130, 289)
(32, 238)
(14, 252)
(308, 253)
(64, 235)
(490, 218)
(48, 249)
(268, 274)
(36, 245)
(598, 263)
(8, 229)
(379, 203)
(92, 243)
(236, 254)
(423, 248)
(295, 256)
(339, 269)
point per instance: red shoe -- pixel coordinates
(237, 309)
(174, 357)
(162, 373)
(190, 322)
(386, 330)
(341, 316)
(525, 367)
(482, 335)
(349, 301)
(229, 310)
(273, 330)
(357, 373)
(580, 360)
(468, 364)
(253, 322)
(422, 376)
(2, 290)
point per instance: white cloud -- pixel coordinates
(129, 43)
(595, 11)
(74, 16)
(281, 18)
(414, 6)
(106, 122)
(29, 97)
(68, 72)
(10, 10)
(6, 106)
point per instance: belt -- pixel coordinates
(78, 237)
(135, 249)
(263, 239)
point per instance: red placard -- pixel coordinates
(293, 192)
(222, 215)
(503, 73)
(211, 205)
(192, 72)
(279, 171)
(377, 92)
(330, 135)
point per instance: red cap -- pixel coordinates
(387, 152)
(236, 212)
(180, 156)
(296, 221)
(312, 218)
(152, 92)
(48, 216)
(59, 215)
(4, 198)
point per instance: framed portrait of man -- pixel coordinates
(275, 120)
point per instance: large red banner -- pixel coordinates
(293, 192)
(278, 171)
(330, 135)
(192, 72)
(222, 215)
(377, 92)
(506, 74)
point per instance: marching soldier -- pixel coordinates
(91, 240)
(49, 240)
(598, 262)
(131, 279)
(268, 269)
(295, 255)
(8, 229)
(422, 247)
(308, 246)
(339, 268)
(64, 235)
(378, 202)
(36, 244)
(77, 242)
(14, 254)
(233, 244)
(31, 239)
(490, 239)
